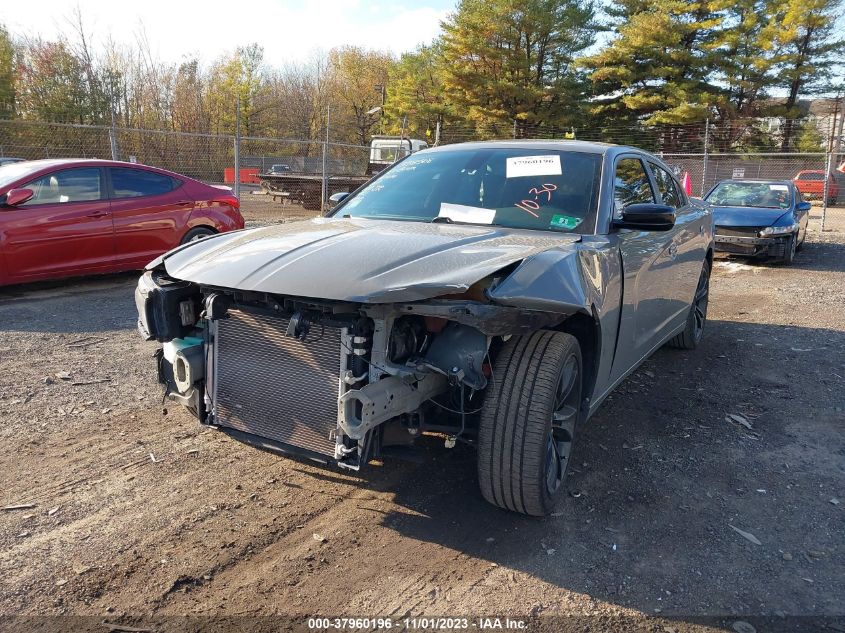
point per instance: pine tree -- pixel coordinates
(811, 46)
(506, 60)
(657, 68)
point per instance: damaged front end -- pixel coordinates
(331, 380)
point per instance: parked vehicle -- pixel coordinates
(759, 218)
(60, 218)
(810, 182)
(307, 188)
(489, 292)
(280, 168)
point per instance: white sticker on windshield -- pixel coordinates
(520, 166)
(778, 188)
(463, 213)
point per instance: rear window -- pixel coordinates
(134, 183)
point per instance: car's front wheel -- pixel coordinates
(789, 249)
(528, 422)
(697, 317)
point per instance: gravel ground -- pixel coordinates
(675, 515)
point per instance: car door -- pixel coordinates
(688, 243)
(151, 212)
(648, 263)
(65, 228)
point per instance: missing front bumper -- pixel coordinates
(752, 246)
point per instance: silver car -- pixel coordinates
(489, 293)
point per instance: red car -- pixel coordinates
(810, 183)
(60, 218)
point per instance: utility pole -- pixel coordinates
(704, 161)
(324, 198)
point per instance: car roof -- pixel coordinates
(41, 166)
(558, 144)
(45, 163)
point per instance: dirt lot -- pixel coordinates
(138, 511)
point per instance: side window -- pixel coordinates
(631, 184)
(666, 186)
(69, 185)
(133, 183)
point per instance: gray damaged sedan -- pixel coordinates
(492, 293)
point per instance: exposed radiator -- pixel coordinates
(275, 386)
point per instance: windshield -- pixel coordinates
(520, 188)
(750, 194)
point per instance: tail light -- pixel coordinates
(231, 200)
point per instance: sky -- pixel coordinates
(288, 31)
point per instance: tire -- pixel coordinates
(523, 457)
(697, 317)
(197, 233)
(789, 251)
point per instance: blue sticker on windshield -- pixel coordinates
(564, 222)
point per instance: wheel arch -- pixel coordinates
(586, 329)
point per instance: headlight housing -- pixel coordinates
(771, 231)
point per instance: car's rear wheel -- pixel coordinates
(528, 422)
(697, 317)
(198, 233)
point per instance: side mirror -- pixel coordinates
(18, 196)
(646, 217)
(336, 198)
(804, 206)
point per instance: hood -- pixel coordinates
(369, 261)
(746, 216)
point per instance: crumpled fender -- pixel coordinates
(558, 280)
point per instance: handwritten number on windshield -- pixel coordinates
(529, 206)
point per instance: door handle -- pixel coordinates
(184, 203)
(98, 214)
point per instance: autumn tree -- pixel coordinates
(7, 75)
(356, 79)
(416, 91)
(235, 76)
(506, 60)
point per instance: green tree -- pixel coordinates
(811, 46)
(7, 75)
(808, 138)
(657, 68)
(506, 60)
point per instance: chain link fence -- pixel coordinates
(308, 172)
